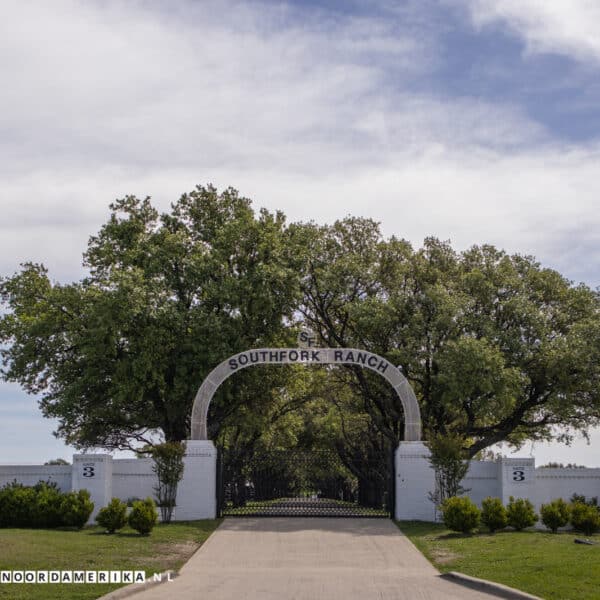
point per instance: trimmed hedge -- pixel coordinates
(460, 514)
(143, 516)
(43, 505)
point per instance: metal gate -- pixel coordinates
(315, 484)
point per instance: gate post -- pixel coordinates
(414, 480)
(197, 491)
(93, 472)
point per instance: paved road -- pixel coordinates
(309, 559)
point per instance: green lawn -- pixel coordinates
(548, 565)
(168, 547)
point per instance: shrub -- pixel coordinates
(555, 514)
(581, 499)
(493, 514)
(45, 509)
(16, 505)
(520, 513)
(143, 516)
(113, 516)
(168, 466)
(76, 508)
(585, 518)
(460, 514)
(43, 505)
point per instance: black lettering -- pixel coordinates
(243, 359)
(282, 355)
(293, 355)
(253, 357)
(337, 356)
(263, 355)
(315, 356)
(303, 336)
(304, 355)
(233, 364)
(382, 366)
(350, 357)
(361, 358)
(273, 356)
(372, 361)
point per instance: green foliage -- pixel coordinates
(493, 514)
(168, 296)
(168, 466)
(581, 499)
(448, 460)
(143, 516)
(555, 514)
(114, 516)
(497, 347)
(520, 513)
(43, 505)
(460, 514)
(585, 518)
(76, 508)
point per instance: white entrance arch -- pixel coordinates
(311, 356)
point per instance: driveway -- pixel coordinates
(309, 559)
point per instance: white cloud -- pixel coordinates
(315, 114)
(569, 27)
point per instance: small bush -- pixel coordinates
(581, 499)
(520, 513)
(16, 505)
(76, 508)
(555, 514)
(585, 518)
(143, 516)
(493, 514)
(460, 514)
(113, 516)
(45, 508)
(43, 505)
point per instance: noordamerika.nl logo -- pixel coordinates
(79, 577)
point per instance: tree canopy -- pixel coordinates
(497, 347)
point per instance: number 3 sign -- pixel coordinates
(88, 470)
(518, 475)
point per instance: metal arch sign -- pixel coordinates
(307, 356)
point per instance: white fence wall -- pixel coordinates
(482, 480)
(127, 478)
(133, 478)
(31, 474)
(563, 483)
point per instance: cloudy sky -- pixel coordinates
(471, 120)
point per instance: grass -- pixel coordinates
(167, 547)
(548, 565)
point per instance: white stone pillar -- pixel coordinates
(517, 478)
(414, 480)
(197, 491)
(93, 472)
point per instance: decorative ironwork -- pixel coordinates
(316, 484)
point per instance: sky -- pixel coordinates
(476, 121)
